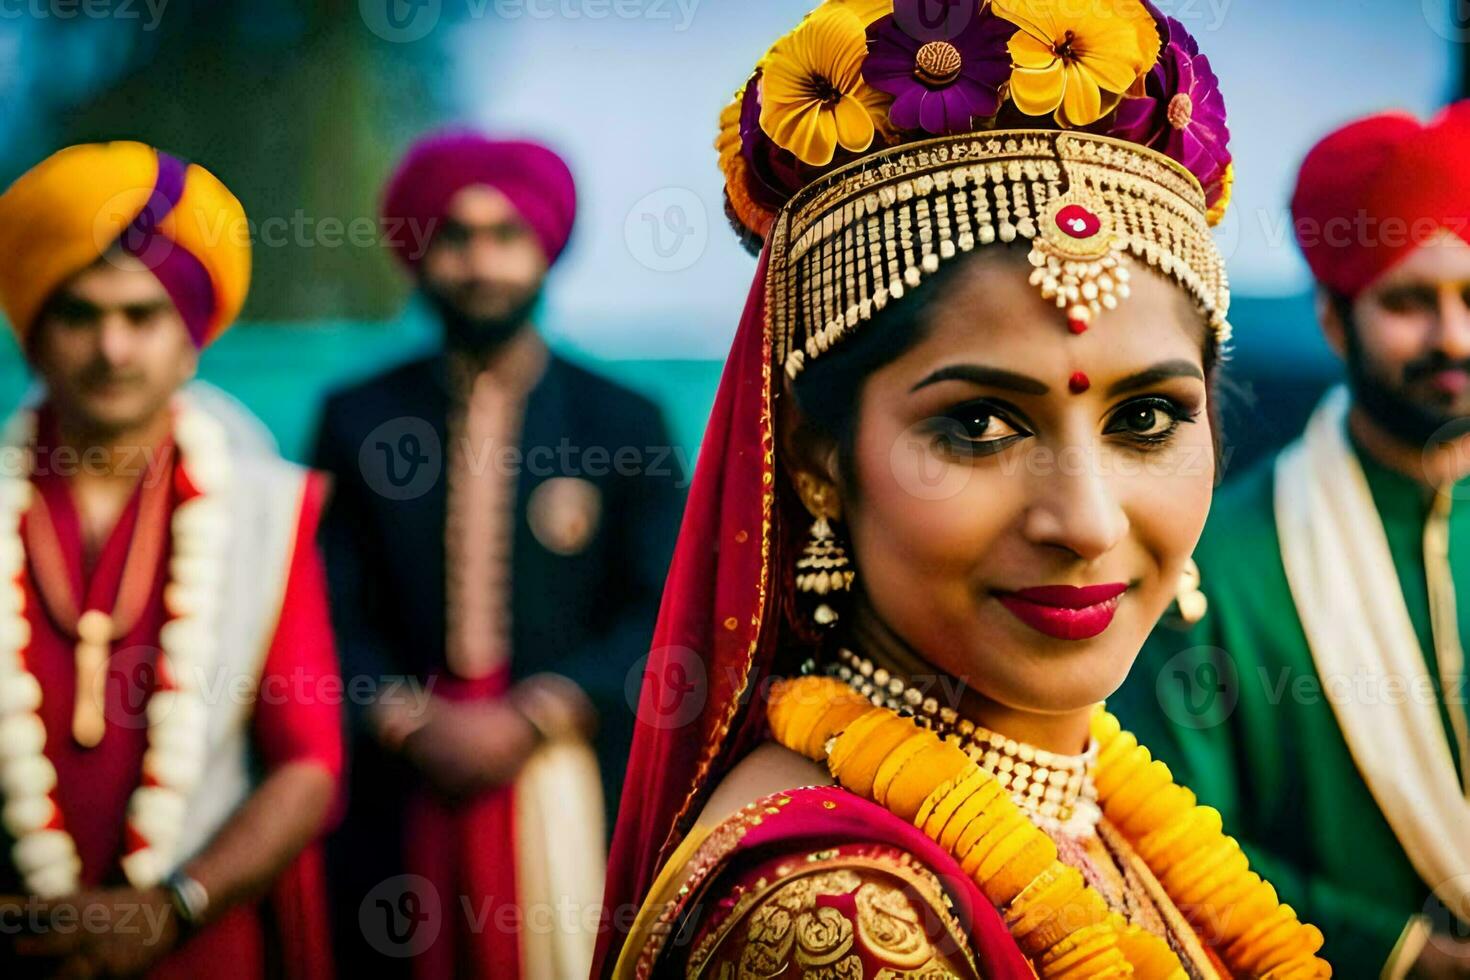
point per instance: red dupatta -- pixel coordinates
(720, 627)
(727, 625)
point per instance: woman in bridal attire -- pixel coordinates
(962, 450)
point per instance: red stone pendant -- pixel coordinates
(1077, 222)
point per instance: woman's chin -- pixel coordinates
(1054, 677)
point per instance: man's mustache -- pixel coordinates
(1431, 365)
(101, 374)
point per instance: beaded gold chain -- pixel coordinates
(1056, 791)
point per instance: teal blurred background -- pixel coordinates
(302, 107)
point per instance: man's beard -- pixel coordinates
(479, 334)
(1409, 420)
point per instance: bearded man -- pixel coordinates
(1319, 699)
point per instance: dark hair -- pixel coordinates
(829, 387)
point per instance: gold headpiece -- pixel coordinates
(871, 145)
(864, 234)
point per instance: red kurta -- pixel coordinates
(95, 784)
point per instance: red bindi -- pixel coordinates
(1078, 383)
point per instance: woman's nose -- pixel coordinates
(1076, 507)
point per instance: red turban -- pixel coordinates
(440, 165)
(1379, 188)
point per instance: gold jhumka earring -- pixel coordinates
(824, 567)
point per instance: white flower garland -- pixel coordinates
(45, 855)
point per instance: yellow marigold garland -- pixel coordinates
(1060, 922)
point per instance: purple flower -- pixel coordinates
(1181, 112)
(939, 86)
(775, 174)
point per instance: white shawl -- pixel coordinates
(1347, 594)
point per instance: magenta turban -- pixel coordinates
(439, 166)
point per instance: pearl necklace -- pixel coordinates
(44, 852)
(1056, 791)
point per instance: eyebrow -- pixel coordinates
(980, 374)
(1162, 371)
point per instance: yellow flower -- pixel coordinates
(867, 11)
(1077, 59)
(813, 97)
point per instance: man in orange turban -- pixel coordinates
(1320, 702)
(161, 600)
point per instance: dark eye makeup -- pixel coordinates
(985, 426)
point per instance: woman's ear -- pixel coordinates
(810, 456)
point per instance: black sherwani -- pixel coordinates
(588, 616)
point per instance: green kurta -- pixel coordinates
(1236, 708)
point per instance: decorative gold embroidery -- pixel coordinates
(933, 970)
(716, 847)
(773, 924)
(822, 936)
(768, 941)
(890, 926)
(849, 969)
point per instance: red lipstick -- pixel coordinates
(1066, 612)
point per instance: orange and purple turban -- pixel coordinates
(82, 202)
(1374, 191)
(436, 168)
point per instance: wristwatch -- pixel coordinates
(189, 898)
